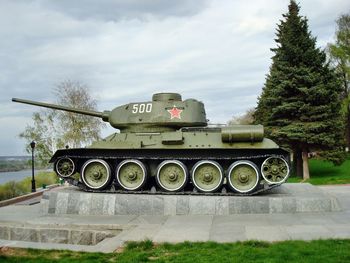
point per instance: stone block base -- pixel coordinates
(288, 198)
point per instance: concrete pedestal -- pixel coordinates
(288, 198)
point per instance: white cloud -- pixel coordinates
(116, 10)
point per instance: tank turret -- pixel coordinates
(165, 144)
(166, 112)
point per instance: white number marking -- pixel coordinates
(142, 108)
(135, 108)
(148, 107)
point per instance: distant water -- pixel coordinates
(17, 176)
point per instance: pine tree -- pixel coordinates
(300, 102)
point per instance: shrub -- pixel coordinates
(12, 189)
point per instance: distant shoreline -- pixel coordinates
(14, 157)
(16, 164)
(12, 170)
(23, 169)
(19, 175)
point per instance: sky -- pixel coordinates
(216, 51)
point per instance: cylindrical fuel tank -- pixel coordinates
(242, 133)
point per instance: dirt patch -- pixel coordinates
(18, 252)
(165, 255)
(119, 250)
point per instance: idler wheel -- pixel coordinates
(131, 175)
(65, 167)
(275, 170)
(96, 174)
(172, 175)
(207, 176)
(243, 176)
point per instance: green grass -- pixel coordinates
(12, 188)
(146, 251)
(322, 172)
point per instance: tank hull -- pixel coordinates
(185, 147)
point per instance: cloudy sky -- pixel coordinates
(217, 51)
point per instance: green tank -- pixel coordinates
(166, 146)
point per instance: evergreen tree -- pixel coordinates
(300, 102)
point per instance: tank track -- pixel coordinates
(222, 156)
(153, 191)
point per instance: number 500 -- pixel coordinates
(142, 107)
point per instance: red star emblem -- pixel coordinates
(175, 113)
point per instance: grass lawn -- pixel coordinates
(146, 251)
(322, 172)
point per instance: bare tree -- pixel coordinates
(77, 130)
(246, 118)
(56, 129)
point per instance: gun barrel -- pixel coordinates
(58, 107)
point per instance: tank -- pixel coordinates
(166, 146)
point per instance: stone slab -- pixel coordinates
(50, 234)
(19, 221)
(185, 228)
(288, 198)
